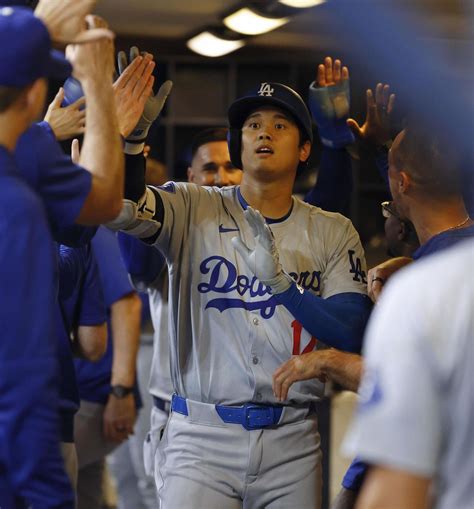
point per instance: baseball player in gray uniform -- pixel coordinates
(415, 419)
(229, 442)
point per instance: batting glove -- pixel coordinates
(153, 106)
(330, 109)
(263, 260)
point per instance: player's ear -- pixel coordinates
(404, 181)
(190, 174)
(305, 150)
(34, 97)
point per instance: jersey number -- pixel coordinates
(297, 330)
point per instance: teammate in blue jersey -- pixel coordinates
(81, 330)
(107, 389)
(31, 467)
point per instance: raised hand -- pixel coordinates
(329, 102)
(263, 260)
(93, 61)
(133, 88)
(65, 20)
(148, 106)
(376, 128)
(66, 122)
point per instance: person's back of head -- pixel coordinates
(26, 62)
(433, 165)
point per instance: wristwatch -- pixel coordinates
(120, 391)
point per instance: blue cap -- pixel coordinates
(26, 53)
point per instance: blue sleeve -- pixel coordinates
(92, 310)
(355, 475)
(381, 161)
(338, 321)
(333, 189)
(143, 262)
(113, 275)
(62, 185)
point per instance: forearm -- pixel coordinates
(102, 154)
(333, 188)
(143, 212)
(343, 368)
(392, 489)
(125, 321)
(338, 321)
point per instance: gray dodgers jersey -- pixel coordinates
(417, 395)
(227, 333)
(160, 384)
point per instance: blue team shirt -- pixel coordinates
(62, 185)
(94, 378)
(31, 466)
(80, 302)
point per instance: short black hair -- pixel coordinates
(208, 136)
(431, 161)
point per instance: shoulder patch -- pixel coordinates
(169, 187)
(370, 391)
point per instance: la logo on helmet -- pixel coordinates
(266, 90)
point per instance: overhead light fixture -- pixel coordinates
(300, 4)
(249, 22)
(209, 44)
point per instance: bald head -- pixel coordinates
(432, 165)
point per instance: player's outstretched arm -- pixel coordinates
(376, 130)
(333, 187)
(329, 102)
(101, 152)
(334, 365)
(338, 321)
(142, 213)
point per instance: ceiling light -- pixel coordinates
(299, 4)
(210, 45)
(248, 22)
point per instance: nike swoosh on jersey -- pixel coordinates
(223, 229)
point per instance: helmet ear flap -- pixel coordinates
(234, 140)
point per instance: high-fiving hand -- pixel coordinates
(263, 260)
(376, 128)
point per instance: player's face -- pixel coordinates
(211, 166)
(271, 143)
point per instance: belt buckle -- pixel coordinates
(264, 416)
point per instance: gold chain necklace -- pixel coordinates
(462, 223)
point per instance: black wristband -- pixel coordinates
(135, 166)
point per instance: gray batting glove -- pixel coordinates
(154, 104)
(263, 260)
